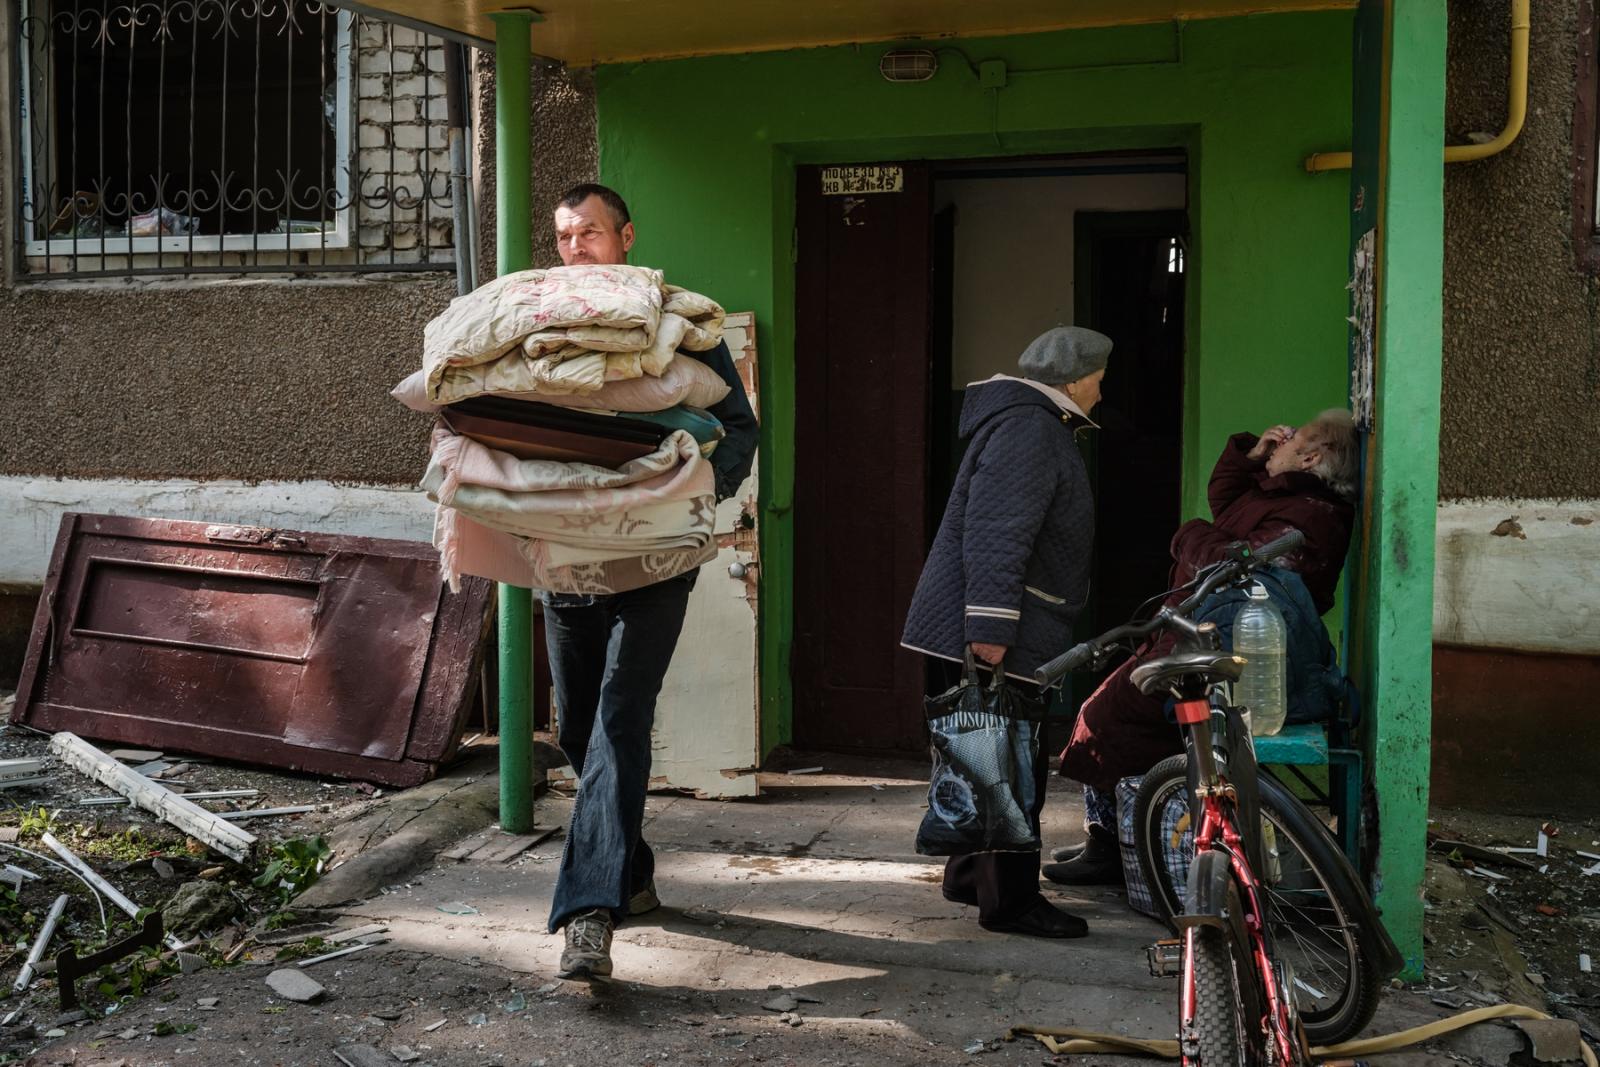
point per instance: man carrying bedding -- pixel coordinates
(609, 655)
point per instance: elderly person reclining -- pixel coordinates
(1261, 488)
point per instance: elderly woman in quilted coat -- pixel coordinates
(1009, 572)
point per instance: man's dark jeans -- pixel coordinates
(608, 656)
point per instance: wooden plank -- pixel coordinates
(502, 847)
(466, 848)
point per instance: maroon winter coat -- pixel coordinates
(1120, 731)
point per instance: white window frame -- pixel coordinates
(338, 236)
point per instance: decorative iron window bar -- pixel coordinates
(162, 137)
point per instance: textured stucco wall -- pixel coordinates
(563, 149)
(1521, 338)
(244, 379)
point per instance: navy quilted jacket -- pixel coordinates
(1010, 565)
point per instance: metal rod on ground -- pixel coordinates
(341, 952)
(112, 893)
(255, 812)
(36, 953)
(213, 794)
(514, 237)
(455, 96)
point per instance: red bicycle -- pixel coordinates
(1240, 900)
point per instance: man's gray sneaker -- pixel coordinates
(645, 900)
(588, 951)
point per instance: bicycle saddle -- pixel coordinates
(1156, 676)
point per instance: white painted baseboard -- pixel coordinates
(1537, 592)
(31, 509)
(1534, 586)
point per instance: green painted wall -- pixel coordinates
(705, 149)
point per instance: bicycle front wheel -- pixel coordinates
(1312, 896)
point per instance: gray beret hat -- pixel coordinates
(1064, 354)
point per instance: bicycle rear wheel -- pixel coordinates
(1312, 897)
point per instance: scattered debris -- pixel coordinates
(21, 772)
(15, 876)
(256, 813)
(291, 983)
(111, 892)
(1553, 1040)
(808, 770)
(46, 931)
(69, 968)
(1547, 909)
(784, 1003)
(456, 907)
(208, 1003)
(518, 1002)
(341, 952)
(187, 816)
(405, 1054)
(358, 932)
(431, 1027)
(1476, 853)
(1584, 963)
(362, 1056)
(204, 794)
(1509, 528)
(199, 906)
(135, 755)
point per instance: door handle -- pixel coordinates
(740, 571)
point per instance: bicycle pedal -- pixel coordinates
(1166, 958)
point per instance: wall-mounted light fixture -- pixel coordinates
(908, 65)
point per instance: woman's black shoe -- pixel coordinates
(1066, 852)
(1100, 863)
(1044, 919)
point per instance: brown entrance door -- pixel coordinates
(862, 399)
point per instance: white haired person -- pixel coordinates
(1261, 488)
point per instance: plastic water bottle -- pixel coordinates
(1259, 636)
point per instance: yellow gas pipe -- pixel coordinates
(1516, 106)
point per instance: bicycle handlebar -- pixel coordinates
(1242, 561)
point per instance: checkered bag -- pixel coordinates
(1177, 846)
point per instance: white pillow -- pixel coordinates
(685, 381)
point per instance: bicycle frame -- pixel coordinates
(1218, 831)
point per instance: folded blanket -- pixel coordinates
(685, 381)
(628, 525)
(565, 330)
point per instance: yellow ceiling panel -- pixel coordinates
(586, 32)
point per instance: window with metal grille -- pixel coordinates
(228, 136)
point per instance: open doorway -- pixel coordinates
(913, 280)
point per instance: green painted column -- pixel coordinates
(1399, 186)
(514, 252)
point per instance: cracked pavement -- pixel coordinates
(813, 891)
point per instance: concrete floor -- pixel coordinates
(814, 888)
